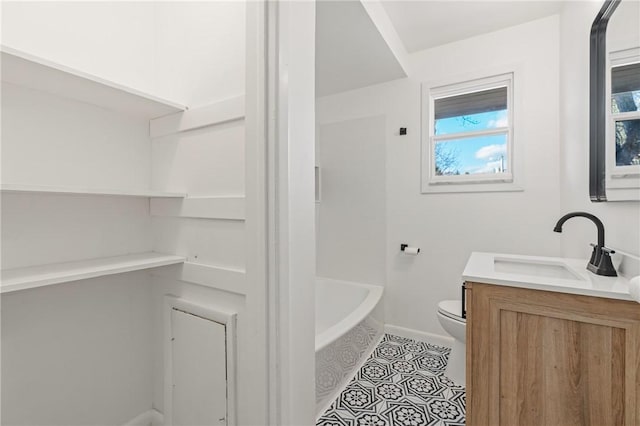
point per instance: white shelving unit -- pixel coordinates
(45, 275)
(114, 195)
(34, 73)
(43, 189)
(26, 70)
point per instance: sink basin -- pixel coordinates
(534, 268)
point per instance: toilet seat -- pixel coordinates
(451, 309)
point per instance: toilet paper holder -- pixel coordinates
(404, 246)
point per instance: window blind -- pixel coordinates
(625, 78)
(471, 103)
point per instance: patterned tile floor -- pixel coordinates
(401, 384)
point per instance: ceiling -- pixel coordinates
(350, 51)
(425, 24)
(365, 42)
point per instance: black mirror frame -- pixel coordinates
(598, 102)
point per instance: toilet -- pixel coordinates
(450, 317)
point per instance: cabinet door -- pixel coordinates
(198, 370)
(543, 358)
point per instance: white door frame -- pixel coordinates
(280, 207)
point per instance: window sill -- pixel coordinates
(623, 187)
(450, 188)
(623, 194)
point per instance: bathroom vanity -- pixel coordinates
(549, 343)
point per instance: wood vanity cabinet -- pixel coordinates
(545, 358)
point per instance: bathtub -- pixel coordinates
(349, 322)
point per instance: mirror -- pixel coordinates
(614, 173)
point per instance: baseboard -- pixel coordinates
(148, 418)
(436, 339)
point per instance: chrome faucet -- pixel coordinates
(600, 262)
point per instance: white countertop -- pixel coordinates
(481, 267)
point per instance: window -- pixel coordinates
(623, 133)
(468, 135)
(625, 113)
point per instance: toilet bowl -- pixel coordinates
(450, 317)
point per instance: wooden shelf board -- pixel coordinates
(22, 188)
(45, 275)
(30, 71)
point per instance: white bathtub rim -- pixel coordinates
(363, 310)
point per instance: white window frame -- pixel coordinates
(622, 182)
(485, 182)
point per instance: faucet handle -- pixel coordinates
(607, 250)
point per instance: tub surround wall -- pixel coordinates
(620, 218)
(437, 222)
(351, 215)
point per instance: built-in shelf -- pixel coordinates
(25, 189)
(26, 70)
(56, 273)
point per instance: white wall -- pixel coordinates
(54, 141)
(351, 216)
(179, 161)
(621, 219)
(113, 40)
(188, 52)
(200, 50)
(38, 229)
(448, 227)
(77, 353)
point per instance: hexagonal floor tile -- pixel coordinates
(407, 413)
(445, 410)
(431, 362)
(375, 372)
(356, 399)
(389, 391)
(422, 386)
(389, 351)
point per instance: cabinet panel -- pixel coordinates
(199, 370)
(538, 358)
(519, 360)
